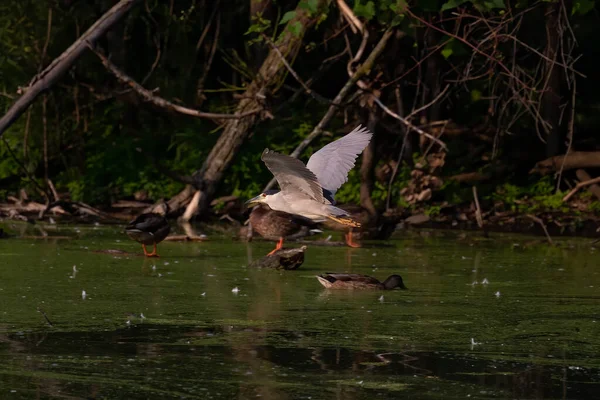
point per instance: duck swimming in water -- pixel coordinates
(150, 229)
(356, 281)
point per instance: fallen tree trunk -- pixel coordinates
(575, 159)
(236, 130)
(583, 176)
(63, 63)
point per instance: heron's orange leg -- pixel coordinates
(278, 247)
(349, 242)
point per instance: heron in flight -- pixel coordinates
(308, 190)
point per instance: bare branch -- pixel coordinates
(51, 74)
(408, 124)
(159, 101)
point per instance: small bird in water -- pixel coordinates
(356, 281)
(278, 225)
(150, 228)
(308, 190)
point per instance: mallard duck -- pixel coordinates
(356, 281)
(150, 229)
(278, 225)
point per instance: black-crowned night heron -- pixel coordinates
(150, 229)
(356, 281)
(308, 190)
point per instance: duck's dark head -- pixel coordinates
(394, 281)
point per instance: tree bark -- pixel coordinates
(63, 63)
(583, 176)
(575, 159)
(367, 168)
(236, 131)
(550, 102)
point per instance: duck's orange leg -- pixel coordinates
(278, 247)
(153, 254)
(349, 242)
(145, 251)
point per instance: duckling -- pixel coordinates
(272, 224)
(356, 281)
(150, 228)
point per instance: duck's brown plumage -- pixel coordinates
(357, 281)
(272, 224)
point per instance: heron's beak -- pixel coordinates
(253, 201)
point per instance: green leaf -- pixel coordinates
(492, 4)
(295, 28)
(366, 11)
(583, 7)
(447, 52)
(452, 4)
(310, 5)
(287, 17)
(475, 95)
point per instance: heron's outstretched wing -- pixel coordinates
(332, 163)
(293, 177)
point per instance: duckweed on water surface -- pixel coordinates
(483, 318)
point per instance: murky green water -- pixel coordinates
(534, 321)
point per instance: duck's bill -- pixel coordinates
(253, 201)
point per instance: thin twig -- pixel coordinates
(426, 106)
(408, 123)
(45, 316)
(478, 215)
(159, 101)
(354, 22)
(400, 107)
(22, 166)
(286, 64)
(208, 64)
(579, 186)
(569, 134)
(541, 223)
(45, 48)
